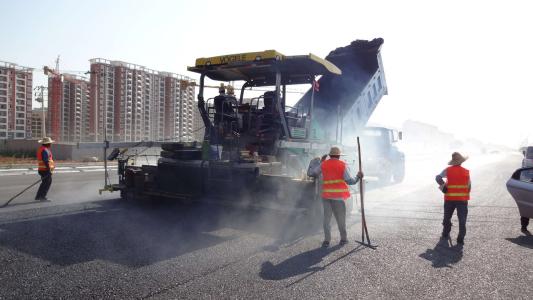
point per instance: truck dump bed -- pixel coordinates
(352, 96)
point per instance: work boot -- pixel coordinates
(343, 242)
(525, 231)
(325, 244)
(460, 241)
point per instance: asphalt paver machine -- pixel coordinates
(241, 158)
(256, 147)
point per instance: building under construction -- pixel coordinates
(198, 124)
(68, 106)
(38, 116)
(16, 85)
(134, 103)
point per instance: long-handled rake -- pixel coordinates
(364, 229)
(29, 187)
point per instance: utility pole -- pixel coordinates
(40, 98)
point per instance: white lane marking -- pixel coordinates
(58, 172)
(9, 170)
(11, 174)
(89, 167)
(101, 169)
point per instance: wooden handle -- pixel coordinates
(364, 230)
(359, 154)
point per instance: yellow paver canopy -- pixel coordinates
(260, 68)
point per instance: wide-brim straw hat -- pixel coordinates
(46, 140)
(335, 151)
(457, 159)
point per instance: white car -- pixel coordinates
(528, 157)
(520, 186)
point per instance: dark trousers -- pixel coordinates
(524, 222)
(462, 212)
(338, 209)
(46, 182)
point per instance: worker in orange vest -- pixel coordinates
(456, 191)
(45, 168)
(335, 180)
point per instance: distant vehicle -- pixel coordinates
(528, 157)
(520, 186)
(381, 156)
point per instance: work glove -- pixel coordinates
(324, 157)
(443, 188)
(360, 175)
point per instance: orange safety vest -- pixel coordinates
(458, 179)
(42, 165)
(333, 184)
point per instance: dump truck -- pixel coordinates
(256, 147)
(344, 104)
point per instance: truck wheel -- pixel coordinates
(316, 212)
(399, 174)
(349, 206)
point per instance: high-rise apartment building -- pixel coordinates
(38, 115)
(16, 86)
(198, 126)
(179, 104)
(134, 103)
(68, 106)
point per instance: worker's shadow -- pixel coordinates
(524, 241)
(302, 263)
(444, 255)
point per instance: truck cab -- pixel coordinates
(527, 161)
(381, 155)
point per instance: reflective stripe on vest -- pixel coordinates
(333, 181)
(41, 164)
(335, 190)
(333, 184)
(458, 179)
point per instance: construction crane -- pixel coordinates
(54, 100)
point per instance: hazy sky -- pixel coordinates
(464, 66)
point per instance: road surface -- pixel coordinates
(82, 245)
